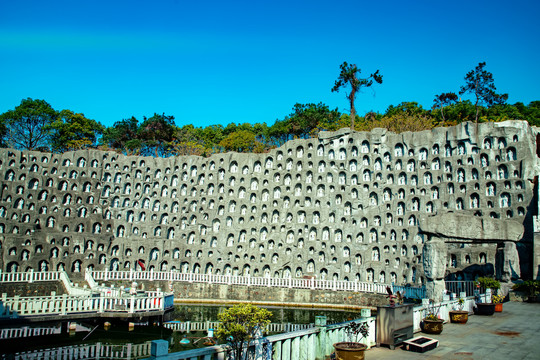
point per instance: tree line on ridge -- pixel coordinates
(36, 125)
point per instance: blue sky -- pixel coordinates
(216, 62)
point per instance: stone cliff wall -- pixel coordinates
(345, 205)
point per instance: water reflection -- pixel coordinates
(201, 313)
(120, 343)
(116, 343)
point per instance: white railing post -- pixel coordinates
(132, 304)
(101, 300)
(64, 304)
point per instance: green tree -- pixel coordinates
(279, 132)
(349, 77)
(211, 136)
(406, 107)
(240, 141)
(306, 119)
(74, 131)
(401, 122)
(156, 133)
(229, 129)
(28, 126)
(481, 85)
(443, 100)
(460, 112)
(123, 135)
(531, 112)
(240, 325)
(189, 140)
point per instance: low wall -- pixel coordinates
(32, 289)
(219, 293)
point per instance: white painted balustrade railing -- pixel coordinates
(30, 276)
(313, 343)
(173, 276)
(190, 326)
(93, 351)
(38, 276)
(13, 307)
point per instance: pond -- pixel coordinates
(291, 315)
(119, 342)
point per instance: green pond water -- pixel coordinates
(119, 334)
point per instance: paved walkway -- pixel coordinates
(510, 335)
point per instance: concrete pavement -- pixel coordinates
(510, 335)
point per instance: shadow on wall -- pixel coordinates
(472, 272)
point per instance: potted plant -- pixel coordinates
(432, 324)
(458, 316)
(352, 350)
(485, 308)
(487, 283)
(531, 288)
(497, 300)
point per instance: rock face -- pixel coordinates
(460, 227)
(435, 254)
(434, 262)
(507, 265)
(345, 205)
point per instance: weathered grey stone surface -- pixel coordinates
(435, 254)
(345, 205)
(509, 260)
(461, 227)
(507, 265)
(193, 292)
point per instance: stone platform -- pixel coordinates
(512, 334)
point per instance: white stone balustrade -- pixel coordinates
(313, 284)
(30, 276)
(17, 306)
(191, 326)
(87, 351)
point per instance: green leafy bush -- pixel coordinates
(240, 324)
(530, 287)
(488, 283)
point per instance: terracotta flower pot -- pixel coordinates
(459, 317)
(349, 351)
(433, 326)
(498, 307)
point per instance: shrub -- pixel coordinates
(488, 283)
(240, 324)
(530, 287)
(353, 329)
